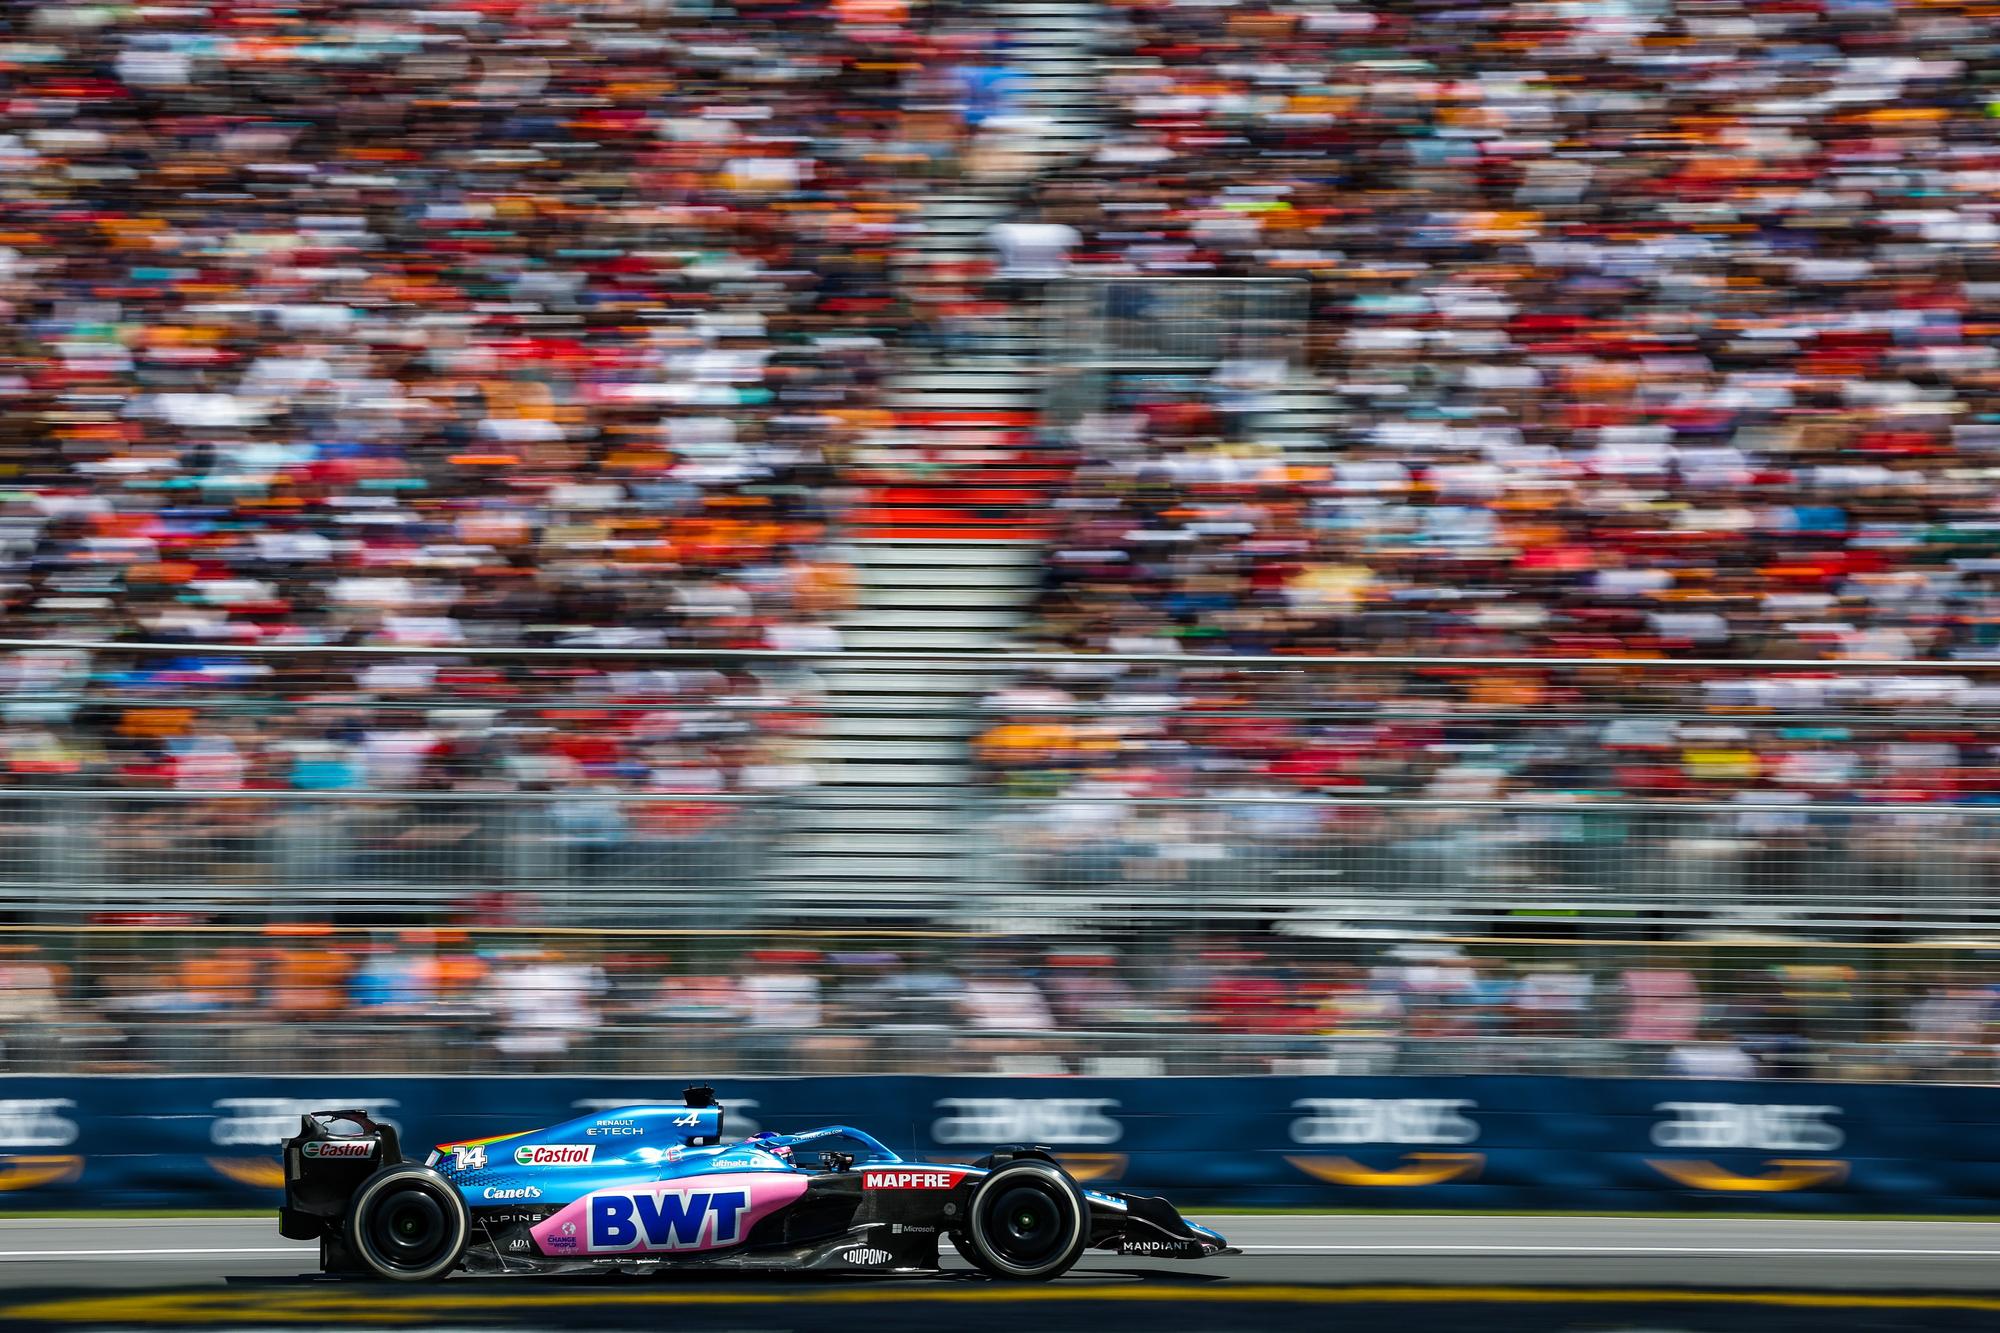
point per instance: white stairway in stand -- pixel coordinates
(886, 834)
(889, 833)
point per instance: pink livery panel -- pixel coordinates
(680, 1216)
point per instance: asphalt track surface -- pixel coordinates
(1412, 1274)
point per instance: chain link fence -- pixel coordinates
(571, 859)
(1140, 323)
(169, 992)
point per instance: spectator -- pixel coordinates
(1712, 1055)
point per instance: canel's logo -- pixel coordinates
(1027, 1119)
(665, 1220)
(1376, 1121)
(1740, 1127)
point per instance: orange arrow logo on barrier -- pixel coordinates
(1094, 1165)
(1791, 1173)
(24, 1173)
(259, 1172)
(1421, 1168)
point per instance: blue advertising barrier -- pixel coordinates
(1481, 1142)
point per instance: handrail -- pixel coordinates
(1013, 657)
(1526, 802)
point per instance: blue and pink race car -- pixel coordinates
(654, 1187)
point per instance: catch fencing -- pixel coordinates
(564, 859)
(166, 992)
(1141, 324)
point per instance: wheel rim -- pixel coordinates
(1024, 1225)
(409, 1229)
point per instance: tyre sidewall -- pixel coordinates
(371, 1192)
(981, 1254)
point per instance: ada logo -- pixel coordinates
(665, 1220)
(1401, 1121)
(324, 1149)
(556, 1154)
(1736, 1127)
(865, 1256)
(1027, 1120)
(910, 1180)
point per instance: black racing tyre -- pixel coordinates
(1026, 1222)
(407, 1223)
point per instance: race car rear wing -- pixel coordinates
(325, 1162)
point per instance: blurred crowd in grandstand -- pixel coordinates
(521, 324)
(1653, 328)
(449, 999)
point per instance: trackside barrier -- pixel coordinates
(1476, 1142)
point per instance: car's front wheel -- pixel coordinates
(1027, 1221)
(407, 1223)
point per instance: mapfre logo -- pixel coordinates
(269, 1121)
(1714, 1126)
(1050, 1120)
(910, 1180)
(1357, 1120)
(1360, 1122)
(1785, 1129)
(39, 1122)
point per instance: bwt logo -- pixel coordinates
(1716, 1125)
(669, 1220)
(272, 1120)
(1384, 1120)
(38, 1122)
(1026, 1119)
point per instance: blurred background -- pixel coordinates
(1019, 536)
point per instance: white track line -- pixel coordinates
(1417, 1249)
(22, 1256)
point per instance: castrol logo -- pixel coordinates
(325, 1149)
(556, 1154)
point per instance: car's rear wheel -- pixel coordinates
(1027, 1222)
(408, 1224)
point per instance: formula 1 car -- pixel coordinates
(654, 1187)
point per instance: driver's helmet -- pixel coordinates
(765, 1139)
